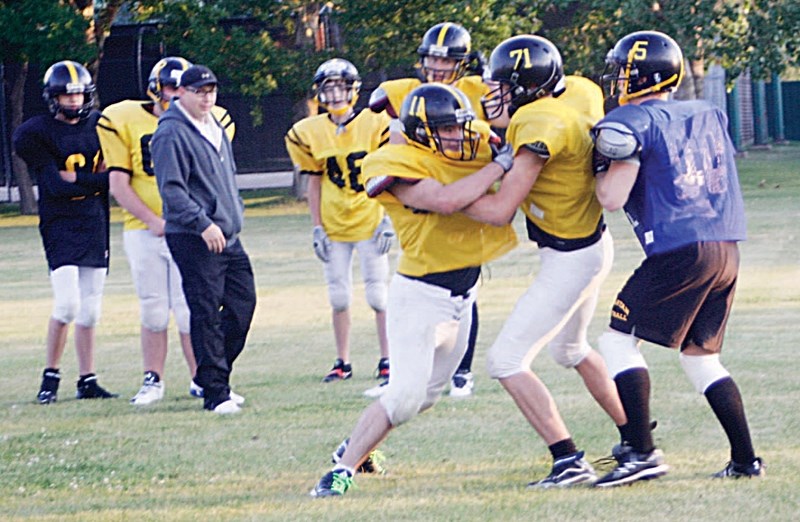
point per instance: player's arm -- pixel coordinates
(428, 194)
(614, 186)
(36, 152)
(314, 194)
(616, 163)
(499, 208)
(120, 186)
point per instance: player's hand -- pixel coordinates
(214, 238)
(503, 156)
(68, 176)
(384, 236)
(156, 227)
(322, 244)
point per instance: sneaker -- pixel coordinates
(332, 484)
(228, 407)
(461, 384)
(382, 372)
(376, 391)
(339, 372)
(152, 390)
(195, 390)
(635, 466)
(235, 397)
(373, 463)
(48, 391)
(734, 470)
(566, 472)
(89, 389)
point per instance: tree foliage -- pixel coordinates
(41, 33)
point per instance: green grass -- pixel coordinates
(464, 460)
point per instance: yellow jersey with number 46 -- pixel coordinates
(320, 147)
(125, 130)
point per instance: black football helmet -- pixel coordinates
(445, 40)
(337, 69)
(68, 77)
(529, 66)
(167, 71)
(642, 63)
(431, 107)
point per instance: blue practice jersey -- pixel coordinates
(73, 217)
(687, 189)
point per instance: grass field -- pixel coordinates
(464, 460)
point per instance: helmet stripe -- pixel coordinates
(443, 33)
(73, 72)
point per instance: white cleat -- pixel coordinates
(149, 393)
(227, 408)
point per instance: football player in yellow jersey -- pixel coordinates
(329, 148)
(445, 56)
(125, 129)
(423, 184)
(548, 116)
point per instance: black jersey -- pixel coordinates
(73, 217)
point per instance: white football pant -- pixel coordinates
(428, 331)
(556, 309)
(157, 281)
(77, 294)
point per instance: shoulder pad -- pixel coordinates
(615, 141)
(378, 100)
(539, 148)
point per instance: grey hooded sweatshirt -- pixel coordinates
(196, 181)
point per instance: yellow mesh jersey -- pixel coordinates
(472, 86)
(125, 130)
(320, 147)
(434, 242)
(562, 201)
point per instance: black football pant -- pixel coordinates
(221, 295)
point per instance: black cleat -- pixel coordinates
(48, 391)
(734, 470)
(635, 466)
(89, 389)
(339, 372)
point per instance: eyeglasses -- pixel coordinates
(201, 91)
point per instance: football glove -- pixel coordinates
(322, 244)
(503, 156)
(384, 236)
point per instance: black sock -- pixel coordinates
(562, 448)
(634, 392)
(152, 376)
(726, 402)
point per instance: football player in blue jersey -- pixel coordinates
(670, 165)
(62, 151)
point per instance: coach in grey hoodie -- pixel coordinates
(195, 169)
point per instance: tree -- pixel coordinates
(42, 33)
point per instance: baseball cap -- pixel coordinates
(197, 76)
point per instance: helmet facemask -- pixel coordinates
(337, 94)
(461, 144)
(434, 72)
